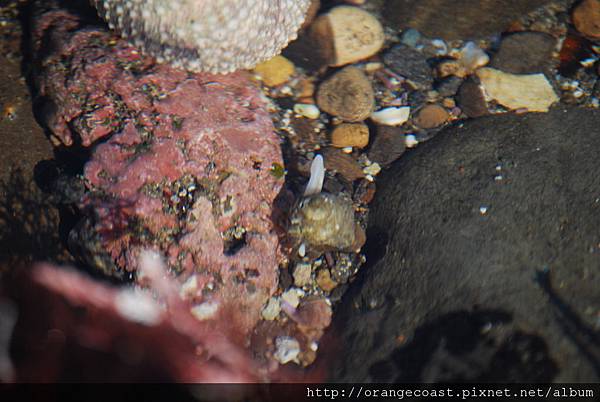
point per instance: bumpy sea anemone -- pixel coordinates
(217, 36)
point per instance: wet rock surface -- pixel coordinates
(524, 53)
(483, 255)
(409, 63)
(457, 19)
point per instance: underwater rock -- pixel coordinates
(517, 91)
(457, 19)
(180, 163)
(483, 256)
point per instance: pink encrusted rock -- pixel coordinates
(181, 163)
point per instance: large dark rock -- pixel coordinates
(456, 292)
(457, 19)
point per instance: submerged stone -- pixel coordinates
(454, 294)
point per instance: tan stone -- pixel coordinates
(302, 274)
(324, 280)
(524, 91)
(431, 116)
(275, 71)
(348, 94)
(586, 17)
(347, 34)
(350, 135)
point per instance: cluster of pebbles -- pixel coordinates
(372, 90)
(353, 93)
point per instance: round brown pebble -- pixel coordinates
(350, 135)
(348, 94)
(431, 116)
(586, 17)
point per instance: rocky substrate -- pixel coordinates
(484, 253)
(253, 205)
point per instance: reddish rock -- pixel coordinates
(180, 163)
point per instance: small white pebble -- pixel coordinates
(302, 250)
(205, 310)
(588, 62)
(288, 349)
(292, 296)
(373, 169)
(373, 66)
(391, 116)
(317, 176)
(472, 57)
(138, 307)
(189, 287)
(411, 141)
(307, 110)
(272, 309)
(441, 47)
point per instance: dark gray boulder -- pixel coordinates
(483, 258)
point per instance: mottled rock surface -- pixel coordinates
(346, 35)
(347, 94)
(409, 63)
(517, 91)
(524, 53)
(457, 19)
(180, 163)
(586, 17)
(483, 250)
